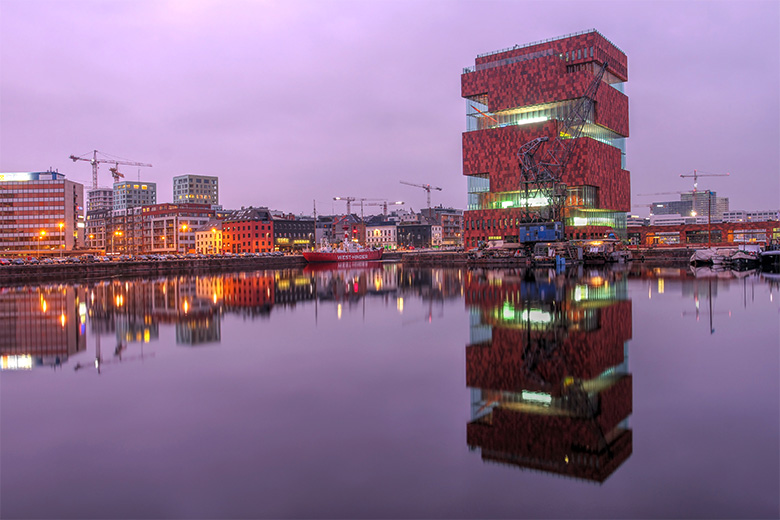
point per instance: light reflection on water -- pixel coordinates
(379, 390)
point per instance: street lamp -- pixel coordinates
(178, 238)
(117, 233)
(213, 241)
(43, 235)
(62, 246)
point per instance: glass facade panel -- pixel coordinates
(480, 198)
(479, 118)
(596, 217)
(477, 185)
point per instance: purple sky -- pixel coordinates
(288, 102)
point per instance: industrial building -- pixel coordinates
(40, 213)
(556, 99)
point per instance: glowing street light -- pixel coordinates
(62, 246)
(117, 233)
(182, 228)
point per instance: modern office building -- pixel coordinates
(40, 212)
(171, 228)
(100, 198)
(751, 216)
(198, 189)
(98, 222)
(131, 194)
(516, 95)
(701, 203)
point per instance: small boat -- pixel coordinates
(770, 261)
(712, 256)
(345, 253)
(742, 260)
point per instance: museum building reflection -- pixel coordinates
(547, 365)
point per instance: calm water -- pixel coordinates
(381, 391)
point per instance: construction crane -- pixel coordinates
(116, 161)
(696, 176)
(349, 201)
(426, 187)
(541, 181)
(384, 205)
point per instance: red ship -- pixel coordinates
(328, 254)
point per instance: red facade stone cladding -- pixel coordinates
(534, 81)
(545, 80)
(603, 49)
(494, 152)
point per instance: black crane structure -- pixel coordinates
(541, 179)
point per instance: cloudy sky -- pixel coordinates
(293, 101)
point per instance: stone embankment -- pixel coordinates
(665, 256)
(659, 256)
(12, 274)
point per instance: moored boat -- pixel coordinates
(770, 260)
(348, 254)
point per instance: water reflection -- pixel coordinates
(700, 286)
(45, 325)
(41, 326)
(547, 364)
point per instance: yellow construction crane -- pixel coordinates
(95, 161)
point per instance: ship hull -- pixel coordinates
(342, 256)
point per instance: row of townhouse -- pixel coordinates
(437, 227)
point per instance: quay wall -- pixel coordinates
(15, 274)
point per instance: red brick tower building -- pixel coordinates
(518, 94)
